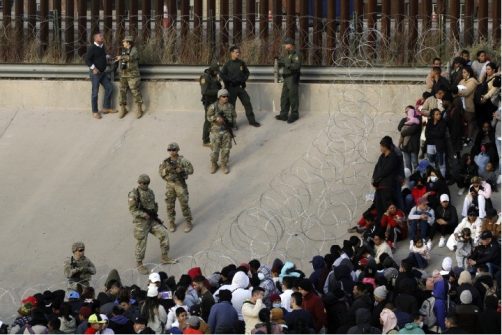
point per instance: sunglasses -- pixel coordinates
(81, 250)
(224, 96)
(143, 183)
(171, 150)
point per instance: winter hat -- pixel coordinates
(447, 264)
(380, 292)
(222, 92)
(464, 278)
(153, 291)
(389, 320)
(466, 297)
(422, 165)
(194, 322)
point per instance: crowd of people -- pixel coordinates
(359, 286)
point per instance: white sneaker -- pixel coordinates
(429, 244)
(442, 242)
(461, 191)
(411, 244)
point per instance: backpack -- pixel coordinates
(427, 310)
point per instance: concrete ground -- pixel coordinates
(292, 192)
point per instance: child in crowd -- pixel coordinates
(490, 176)
(464, 247)
(419, 254)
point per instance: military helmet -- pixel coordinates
(288, 40)
(222, 92)
(173, 146)
(144, 179)
(129, 39)
(77, 245)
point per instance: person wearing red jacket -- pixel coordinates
(391, 224)
(313, 304)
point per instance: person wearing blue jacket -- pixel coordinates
(440, 292)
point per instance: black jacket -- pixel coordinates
(234, 73)
(486, 254)
(97, 56)
(385, 172)
(435, 134)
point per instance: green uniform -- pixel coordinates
(78, 272)
(175, 173)
(129, 76)
(235, 74)
(290, 65)
(209, 87)
(139, 201)
(220, 137)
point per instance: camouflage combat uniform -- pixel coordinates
(220, 136)
(209, 86)
(141, 201)
(130, 78)
(175, 173)
(78, 272)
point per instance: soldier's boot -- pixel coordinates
(188, 226)
(172, 227)
(123, 111)
(168, 260)
(214, 167)
(224, 168)
(142, 269)
(140, 111)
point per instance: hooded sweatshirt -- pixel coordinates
(240, 292)
(121, 324)
(363, 323)
(319, 265)
(440, 293)
(389, 320)
(267, 283)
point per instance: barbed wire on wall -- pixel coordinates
(401, 40)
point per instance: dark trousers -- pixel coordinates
(235, 92)
(206, 127)
(383, 197)
(96, 80)
(290, 98)
(417, 260)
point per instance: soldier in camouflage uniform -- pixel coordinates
(209, 87)
(129, 76)
(175, 170)
(290, 64)
(143, 209)
(234, 74)
(222, 117)
(78, 269)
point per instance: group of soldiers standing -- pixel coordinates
(218, 128)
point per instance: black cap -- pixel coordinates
(141, 320)
(486, 234)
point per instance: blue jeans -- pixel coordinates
(410, 160)
(418, 260)
(96, 79)
(412, 231)
(437, 158)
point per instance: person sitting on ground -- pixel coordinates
(473, 222)
(392, 221)
(465, 246)
(446, 218)
(479, 195)
(492, 223)
(119, 323)
(420, 217)
(419, 254)
(486, 253)
(381, 247)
